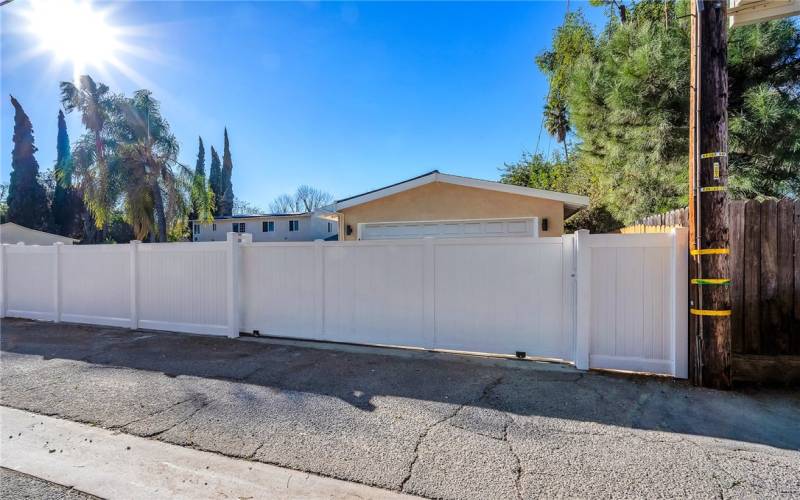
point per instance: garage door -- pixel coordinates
(474, 228)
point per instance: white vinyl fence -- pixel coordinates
(599, 301)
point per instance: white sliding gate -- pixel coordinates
(600, 301)
(488, 295)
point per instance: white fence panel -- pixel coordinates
(279, 289)
(29, 281)
(183, 287)
(633, 301)
(374, 293)
(502, 296)
(602, 301)
(94, 284)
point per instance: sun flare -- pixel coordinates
(74, 32)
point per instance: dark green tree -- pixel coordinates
(227, 172)
(201, 197)
(625, 93)
(555, 174)
(198, 180)
(27, 198)
(215, 181)
(66, 204)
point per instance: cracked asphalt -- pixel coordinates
(431, 424)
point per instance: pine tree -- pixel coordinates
(66, 203)
(27, 198)
(626, 106)
(227, 172)
(215, 181)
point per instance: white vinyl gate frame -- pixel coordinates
(600, 301)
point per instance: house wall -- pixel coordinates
(311, 228)
(443, 201)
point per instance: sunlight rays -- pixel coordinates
(82, 36)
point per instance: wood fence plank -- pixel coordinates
(785, 299)
(796, 319)
(781, 370)
(770, 315)
(752, 277)
(736, 273)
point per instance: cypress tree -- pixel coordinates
(27, 198)
(198, 180)
(65, 201)
(215, 181)
(227, 171)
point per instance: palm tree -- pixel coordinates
(556, 121)
(153, 180)
(93, 101)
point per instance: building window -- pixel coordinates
(267, 226)
(238, 227)
(196, 228)
(330, 227)
(214, 226)
(294, 225)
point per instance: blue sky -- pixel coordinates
(346, 97)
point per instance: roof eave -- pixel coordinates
(573, 201)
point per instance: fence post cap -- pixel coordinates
(135, 242)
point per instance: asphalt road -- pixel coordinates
(429, 424)
(17, 486)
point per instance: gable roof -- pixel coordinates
(55, 237)
(571, 201)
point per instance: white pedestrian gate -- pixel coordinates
(605, 301)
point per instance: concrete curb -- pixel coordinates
(120, 466)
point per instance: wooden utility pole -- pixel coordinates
(708, 178)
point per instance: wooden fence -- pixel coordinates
(660, 223)
(765, 284)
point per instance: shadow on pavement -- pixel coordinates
(767, 417)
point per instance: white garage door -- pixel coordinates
(475, 228)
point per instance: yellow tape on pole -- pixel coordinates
(710, 189)
(710, 251)
(711, 281)
(716, 154)
(709, 312)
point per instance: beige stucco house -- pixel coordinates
(442, 205)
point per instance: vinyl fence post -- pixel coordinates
(3, 288)
(429, 291)
(233, 284)
(134, 282)
(319, 288)
(679, 321)
(57, 281)
(584, 300)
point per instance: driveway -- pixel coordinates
(435, 425)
